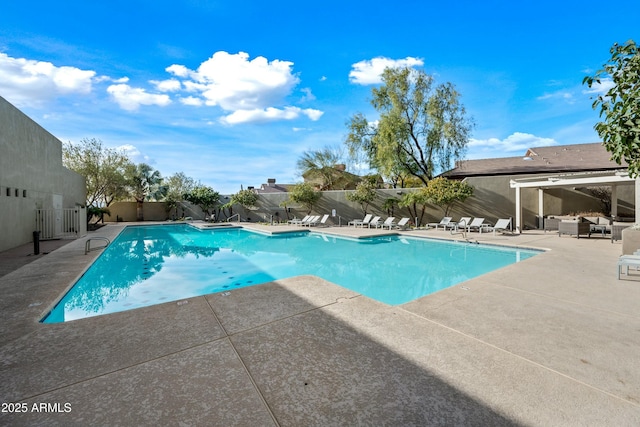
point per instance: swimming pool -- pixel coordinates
(147, 265)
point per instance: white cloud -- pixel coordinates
(29, 82)
(369, 72)
(191, 100)
(600, 88)
(129, 149)
(270, 114)
(178, 70)
(516, 142)
(233, 82)
(252, 90)
(169, 85)
(134, 154)
(562, 94)
(130, 98)
(308, 96)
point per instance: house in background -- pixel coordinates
(556, 180)
(272, 187)
(36, 192)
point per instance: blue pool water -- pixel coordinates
(147, 265)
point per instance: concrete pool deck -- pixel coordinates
(553, 340)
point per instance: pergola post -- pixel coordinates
(614, 201)
(518, 210)
(637, 206)
(540, 208)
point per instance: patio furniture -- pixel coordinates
(502, 225)
(387, 223)
(574, 228)
(627, 261)
(443, 223)
(477, 224)
(296, 221)
(312, 220)
(616, 231)
(551, 224)
(362, 222)
(463, 223)
(402, 224)
(374, 222)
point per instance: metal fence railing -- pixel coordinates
(61, 223)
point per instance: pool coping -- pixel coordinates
(336, 235)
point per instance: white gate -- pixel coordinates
(61, 223)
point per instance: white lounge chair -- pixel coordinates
(443, 223)
(402, 224)
(389, 222)
(476, 224)
(363, 221)
(502, 225)
(318, 221)
(296, 221)
(463, 223)
(311, 221)
(374, 222)
(628, 261)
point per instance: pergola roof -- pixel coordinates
(611, 178)
(582, 179)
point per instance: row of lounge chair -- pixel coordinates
(310, 221)
(476, 224)
(465, 223)
(374, 221)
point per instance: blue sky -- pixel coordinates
(231, 93)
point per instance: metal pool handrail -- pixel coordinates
(87, 244)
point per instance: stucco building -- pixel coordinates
(34, 182)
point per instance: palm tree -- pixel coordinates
(145, 183)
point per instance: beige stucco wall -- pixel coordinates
(493, 199)
(31, 164)
(151, 211)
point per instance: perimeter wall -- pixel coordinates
(493, 199)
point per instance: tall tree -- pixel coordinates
(144, 183)
(620, 105)
(364, 194)
(304, 194)
(204, 197)
(103, 169)
(422, 127)
(178, 185)
(445, 192)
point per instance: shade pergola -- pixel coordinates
(572, 180)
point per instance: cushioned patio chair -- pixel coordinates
(574, 228)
